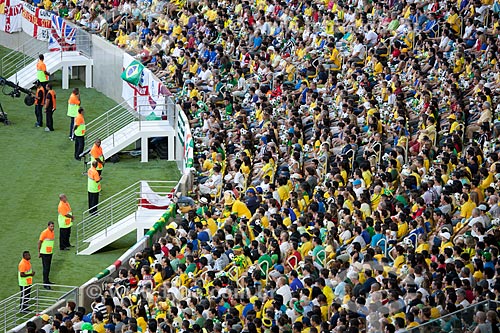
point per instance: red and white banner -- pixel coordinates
(62, 35)
(36, 22)
(10, 15)
(148, 96)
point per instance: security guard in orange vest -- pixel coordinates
(50, 108)
(25, 277)
(79, 134)
(45, 250)
(41, 71)
(73, 105)
(39, 103)
(65, 220)
(97, 155)
(93, 187)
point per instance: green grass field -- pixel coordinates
(37, 166)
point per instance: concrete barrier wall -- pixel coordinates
(108, 66)
(16, 40)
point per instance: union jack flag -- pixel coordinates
(62, 35)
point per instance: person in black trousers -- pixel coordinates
(39, 104)
(79, 134)
(25, 277)
(45, 250)
(50, 108)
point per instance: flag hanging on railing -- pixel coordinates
(62, 35)
(132, 74)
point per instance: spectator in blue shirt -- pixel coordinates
(377, 237)
(203, 235)
(257, 41)
(296, 284)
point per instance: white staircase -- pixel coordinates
(141, 219)
(121, 126)
(55, 61)
(138, 207)
(139, 130)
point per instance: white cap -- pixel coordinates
(446, 235)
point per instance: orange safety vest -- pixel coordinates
(95, 153)
(53, 95)
(73, 99)
(42, 102)
(41, 68)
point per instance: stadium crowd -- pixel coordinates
(347, 173)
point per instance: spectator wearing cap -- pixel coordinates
(445, 240)
(46, 325)
(483, 209)
(358, 187)
(487, 262)
(203, 207)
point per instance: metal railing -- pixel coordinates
(109, 123)
(41, 301)
(118, 117)
(83, 41)
(458, 321)
(115, 208)
(19, 58)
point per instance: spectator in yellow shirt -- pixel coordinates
(467, 206)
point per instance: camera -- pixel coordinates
(16, 91)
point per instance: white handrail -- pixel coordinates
(17, 59)
(113, 209)
(116, 118)
(40, 300)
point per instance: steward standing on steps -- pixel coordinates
(45, 250)
(97, 155)
(25, 277)
(39, 103)
(73, 105)
(41, 71)
(93, 187)
(50, 107)
(65, 219)
(79, 131)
